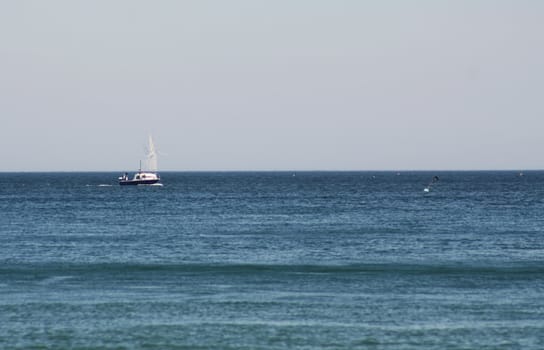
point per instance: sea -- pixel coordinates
(273, 260)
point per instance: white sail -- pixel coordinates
(151, 157)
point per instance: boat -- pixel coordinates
(147, 176)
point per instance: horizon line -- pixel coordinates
(274, 170)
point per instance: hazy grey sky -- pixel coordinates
(271, 85)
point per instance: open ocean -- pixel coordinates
(270, 260)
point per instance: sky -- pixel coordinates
(272, 85)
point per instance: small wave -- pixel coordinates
(105, 185)
(55, 279)
(409, 269)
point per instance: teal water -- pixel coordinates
(320, 260)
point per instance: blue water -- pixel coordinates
(320, 260)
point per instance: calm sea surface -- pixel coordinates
(320, 260)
